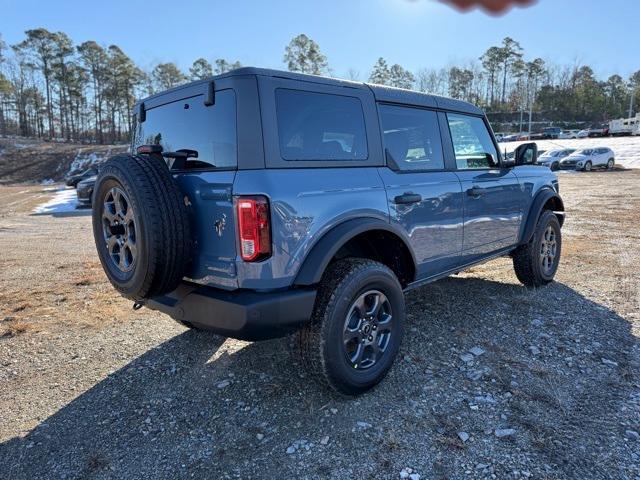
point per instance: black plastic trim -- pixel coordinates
(325, 249)
(542, 197)
(241, 314)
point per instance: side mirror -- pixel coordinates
(526, 154)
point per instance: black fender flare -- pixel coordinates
(535, 210)
(325, 249)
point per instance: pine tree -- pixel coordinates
(200, 69)
(380, 73)
(304, 55)
(167, 75)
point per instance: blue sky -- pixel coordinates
(351, 33)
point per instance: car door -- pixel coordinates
(601, 157)
(492, 194)
(423, 193)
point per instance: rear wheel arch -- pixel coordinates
(365, 238)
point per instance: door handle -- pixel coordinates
(407, 198)
(476, 191)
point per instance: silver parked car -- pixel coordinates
(589, 158)
(552, 158)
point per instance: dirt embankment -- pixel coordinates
(31, 161)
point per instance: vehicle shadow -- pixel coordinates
(78, 212)
(199, 406)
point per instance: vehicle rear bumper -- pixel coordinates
(242, 314)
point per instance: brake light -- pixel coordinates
(253, 228)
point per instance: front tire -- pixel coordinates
(357, 325)
(536, 263)
(610, 164)
(555, 166)
(587, 166)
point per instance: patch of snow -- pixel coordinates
(625, 149)
(65, 200)
(48, 181)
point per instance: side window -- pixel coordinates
(320, 126)
(189, 124)
(411, 138)
(471, 142)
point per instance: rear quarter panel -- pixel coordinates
(305, 204)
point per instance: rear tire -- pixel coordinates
(587, 166)
(610, 164)
(345, 346)
(140, 226)
(536, 263)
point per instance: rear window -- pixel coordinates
(411, 138)
(189, 124)
(319, 126)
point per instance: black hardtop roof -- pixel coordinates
(381, 92)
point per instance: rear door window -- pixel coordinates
(411, 138)
(189, 124)
(472, 142)
(319, 126)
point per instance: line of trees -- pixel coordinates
(53, 89)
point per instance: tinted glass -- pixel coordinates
(411, 138)
(210, 131)
(318, 126)
(472, 143)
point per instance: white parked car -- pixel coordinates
(566, 134)
(552, 158)
(583, 134)
(589, 158)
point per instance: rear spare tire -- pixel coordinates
(140, 226)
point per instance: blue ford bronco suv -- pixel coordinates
(261, 203)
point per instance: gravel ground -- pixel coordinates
(493, 380)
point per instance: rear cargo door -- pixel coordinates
(205, 178)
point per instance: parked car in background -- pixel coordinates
(551, 133)
(599, 131)
(524, 136)
(76, 177)
(513, 137)
(568, 134)
(499, 136)
(84, 190)
(552, 158)
(583, 133)
(589, 158)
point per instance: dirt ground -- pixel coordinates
(90, 388)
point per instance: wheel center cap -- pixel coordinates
(366, 329)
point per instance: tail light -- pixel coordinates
(254, 228)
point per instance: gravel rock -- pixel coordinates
(534, 350)
(467, 357)
(504, 432)
(477, 351)
(464, 436)
(632, 434)
(611, 363)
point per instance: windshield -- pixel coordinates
(552, 153)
